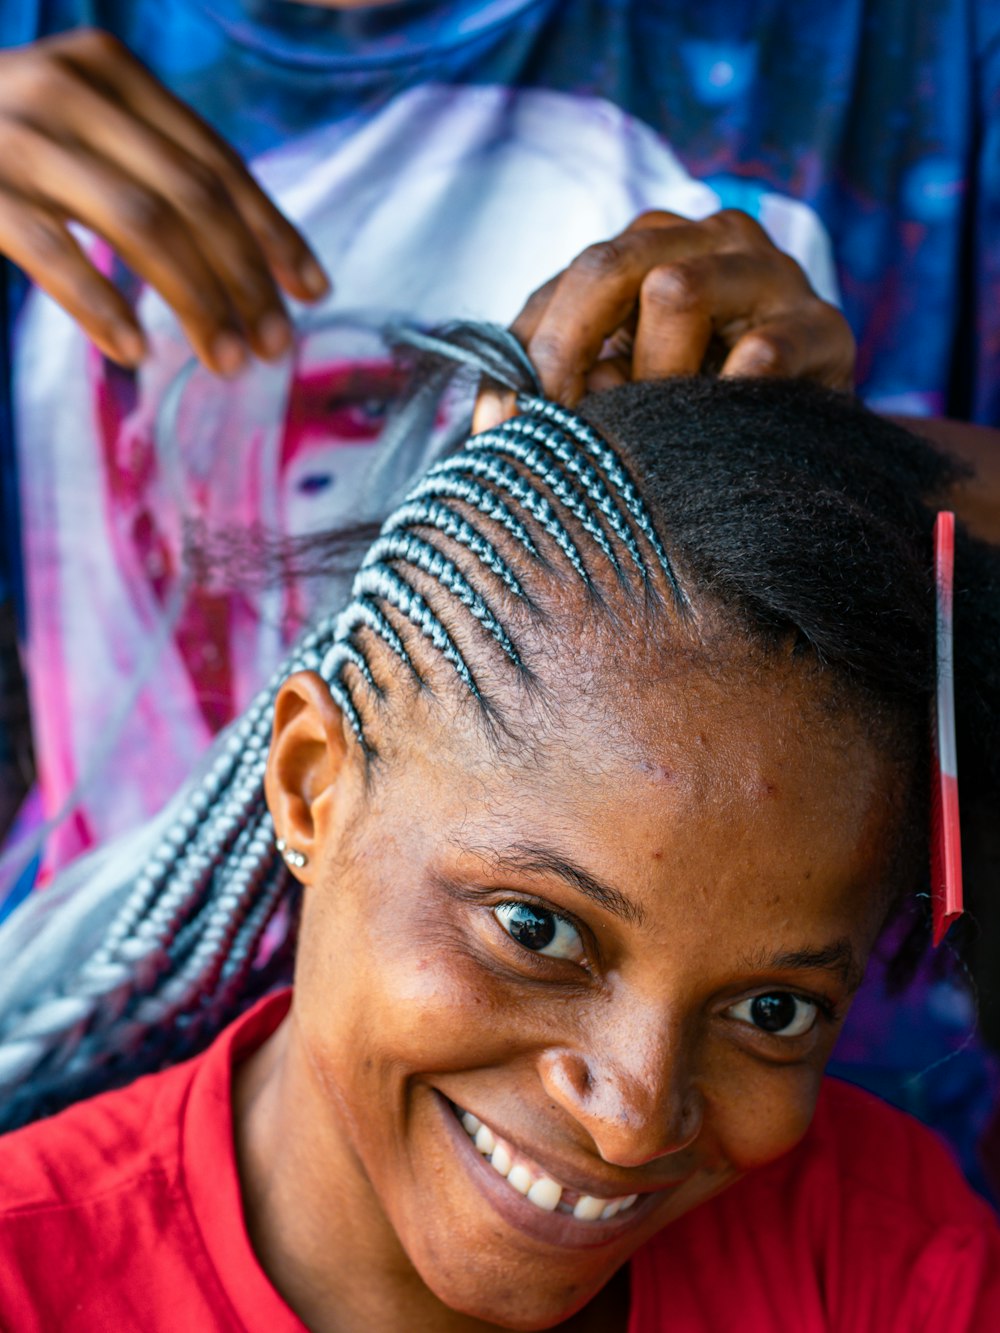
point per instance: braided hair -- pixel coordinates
(782, 506)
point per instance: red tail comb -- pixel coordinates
(946, 842)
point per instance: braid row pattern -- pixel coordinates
(507, 479)
(586, 438)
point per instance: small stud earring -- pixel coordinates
(291, 855)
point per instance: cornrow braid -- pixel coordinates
(472, 493)
(409, 549)
(541, 466)
(181, 955)
(432, 514)
(586, 438)
(505, 478)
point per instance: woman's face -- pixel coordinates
(626, 954)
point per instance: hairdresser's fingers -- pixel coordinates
(533, 310)
(814, 344)
(609, 373)
(698, 289)
(565, 331)
(758, 302)
(526, 323)
(676, 280)
(42, 245)
(104, 60)
(216, 227)
(127, 214)
(495, 405)
(659, 217)
(82, 99)
(493, 408)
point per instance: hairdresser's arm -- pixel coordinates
(669, 296)
(976, 500)
(88, 135)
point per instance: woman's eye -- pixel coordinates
(782, 1014)
(541, 931)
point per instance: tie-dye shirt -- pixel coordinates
(444, 159)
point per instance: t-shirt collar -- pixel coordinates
(366, 38)
(210, 1177)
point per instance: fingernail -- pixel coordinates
(274, 333)
(129, 343)
(491, 410)
(229, 353)
(313, 278)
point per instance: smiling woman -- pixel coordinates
(589, 809)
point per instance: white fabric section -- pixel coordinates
(452, 202)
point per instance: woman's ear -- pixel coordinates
(309, 750)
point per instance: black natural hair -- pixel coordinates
(797, 510)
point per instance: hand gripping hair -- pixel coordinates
(782, 511)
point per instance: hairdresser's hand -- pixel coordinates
(88, 135)
(672, 297)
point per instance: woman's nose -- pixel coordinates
(636, 1104)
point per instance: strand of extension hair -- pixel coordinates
(411, 550)
(193, 981)
(550, 437)
(192, 837)
(185, 887)
(599, 449)
(535, 460)
(132, 956)
(484, 348)
(509, 480)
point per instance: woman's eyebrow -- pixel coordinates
(544, 861)
(837, 957)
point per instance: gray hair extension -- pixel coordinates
(179, 952)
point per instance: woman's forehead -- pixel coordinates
(748, 787)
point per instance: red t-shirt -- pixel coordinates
(124, 1213)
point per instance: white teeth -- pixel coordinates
(501, 1160)
(541, 1190)
(485, 1141)
(546, 1194)
(520, 1177)
(588, 1209)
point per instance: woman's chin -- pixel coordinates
(510, 1304)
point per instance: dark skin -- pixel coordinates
(740, 832)
(88, 135)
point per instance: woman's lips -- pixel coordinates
(534, 1201)
(528, 1178)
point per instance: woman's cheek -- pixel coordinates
(759, 1111)
(408, 987)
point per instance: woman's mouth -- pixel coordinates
(536, 1185)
